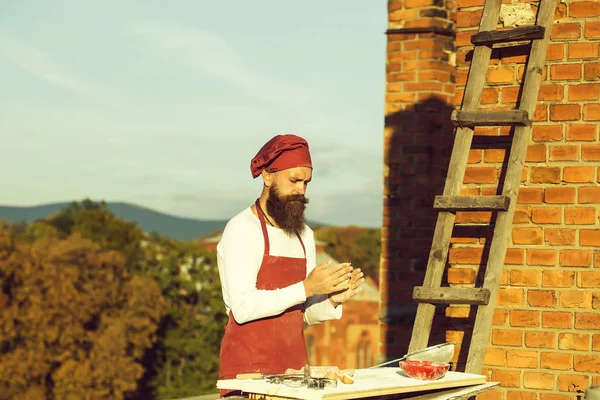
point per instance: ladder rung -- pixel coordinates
(448, 295)
(471, 202)
(490, 118)
(532, 32)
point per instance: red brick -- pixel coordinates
(494, 155)
(471, 217)
(507, 337)
(536, 153)
(522, 358)
(592, 29)
(572, 383)
(565, 72)
(499, 75)
(520, 395)
(559, 237)
(514, 256)
(590, 152)
(507, 378)
(541, 298)
(585, 91)
(580, 216)
(591, 112)
(573, 341)
(547, 133)
(525, 277)
(527, 236)
(550, 92)
(589, 237)
(587, 320)
(545, 175)
(591, 70)
(481, 175)
(556, 360)
(583, 9)
(557, 195)
(538, 380)
(540, 339)
(589, 194)
(468, 19)
(465, 255)
(565, 31)
(545, 257)
(557, 319)
(530, 195)
(578, 174)
(510, 297)
(588, 279)
(586, 363)
(575, 299)
(525, 318)
(559, 278)
(586, 50)
(575, 258)
(564, 153)
(500, 317)
(582, 132)
(560, 12)
(541, 113)
(489, 96)
(565, 112)
(494, 356)
(596, 342)
(461, 275)
(510, 94)
(555, 52)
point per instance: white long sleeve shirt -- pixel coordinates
(239, 256)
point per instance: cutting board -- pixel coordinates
(368, 383)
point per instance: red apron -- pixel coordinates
(273, 344)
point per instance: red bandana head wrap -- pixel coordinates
(281, 152)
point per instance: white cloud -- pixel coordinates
(212, 55)
(46, 68)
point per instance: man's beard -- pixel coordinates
(287, 211)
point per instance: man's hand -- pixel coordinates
(326, 279)
(354, 288)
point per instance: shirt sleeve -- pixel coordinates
(240, 252)
(317, 308)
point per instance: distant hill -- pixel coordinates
(148, 219)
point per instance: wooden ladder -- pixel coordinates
(466, 119)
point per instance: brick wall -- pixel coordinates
(418, 135)
(546, 330)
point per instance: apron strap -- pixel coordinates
(263, 226)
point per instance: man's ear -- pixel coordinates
(267, 177)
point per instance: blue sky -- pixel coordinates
(163, 104)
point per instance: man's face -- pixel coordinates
(286, 202)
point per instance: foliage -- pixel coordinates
(185, 361)
(74, 323)
(361, 246)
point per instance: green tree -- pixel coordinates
(185, 360)
(361, 246)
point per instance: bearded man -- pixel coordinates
(267, 266)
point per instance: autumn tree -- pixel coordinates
(74, 323)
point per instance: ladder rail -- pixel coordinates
(502, 231)
(456, 171)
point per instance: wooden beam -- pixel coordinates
(451, 295)
(532, 32)
(490, 118)
(471, 202)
